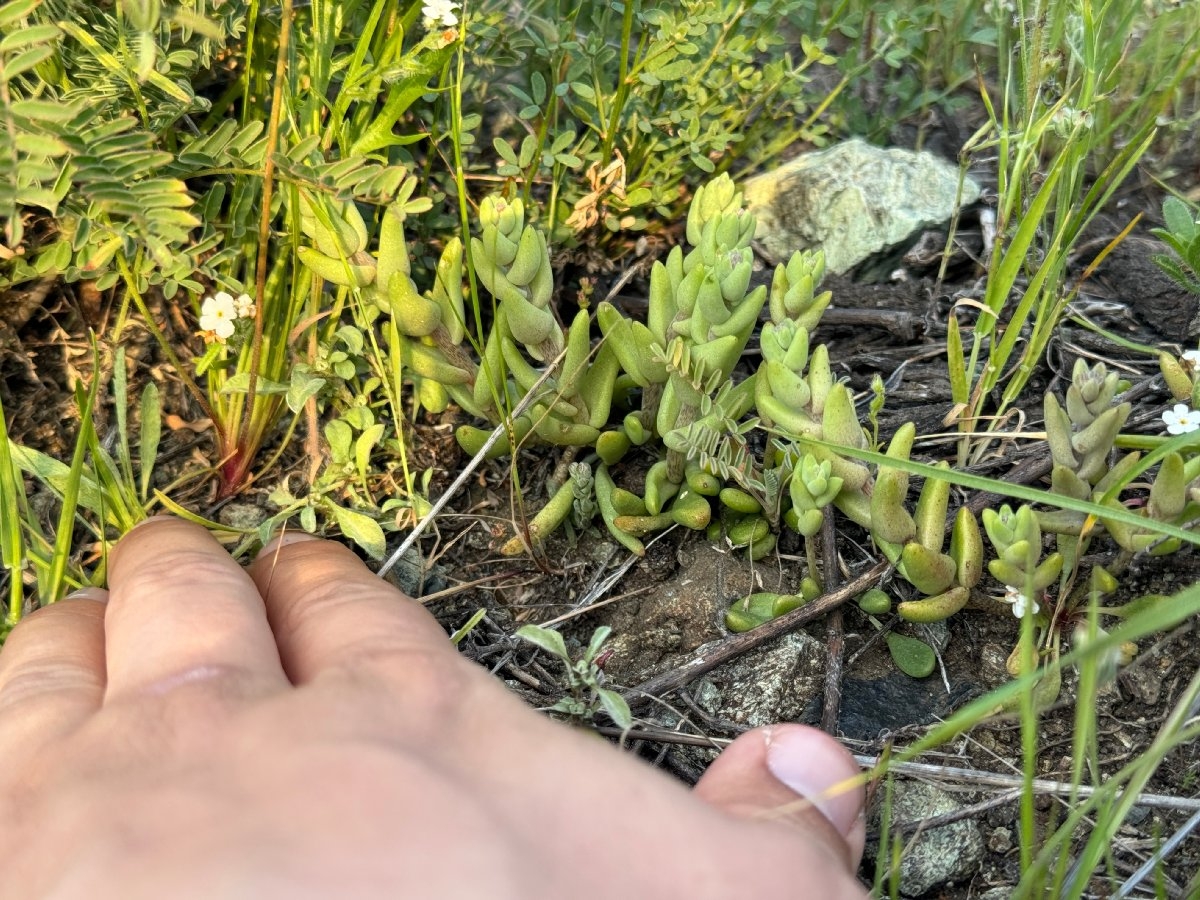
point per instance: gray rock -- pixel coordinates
(952, 852)
(1004, 892)
(767, 685)
(413, 575)
(1000, 840)
(852, 200)
(875, 705)
(241, 515)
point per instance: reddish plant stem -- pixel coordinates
(247, 445)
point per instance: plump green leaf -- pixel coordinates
(150, 433)
(912, 657)
(303, 386)
(44, 111)
(339, 436)
(599, 636)
(26, 60)
(40, 145)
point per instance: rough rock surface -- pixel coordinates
(938, 856)
(767, 685)
(852, 200)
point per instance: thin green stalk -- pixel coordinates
(131, 291)
(12, 543)
(1030, 717)
(618, 105)
(53, 587)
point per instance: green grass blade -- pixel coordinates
(12, 544)
(1024, 492)
(121, 402)
(55, 583)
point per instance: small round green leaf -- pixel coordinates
(912, 657)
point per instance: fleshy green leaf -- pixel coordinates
(912, 657)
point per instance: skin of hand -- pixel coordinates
(302, 729)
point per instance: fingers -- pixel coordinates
(794, 775)
(51, 674)
(181, 611)
(328, 611)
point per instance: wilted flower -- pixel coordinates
(1181, 420)
(1020, 603)
(245, 306)
(1192, 358)
(217, 315)
(440, 12)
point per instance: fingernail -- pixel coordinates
(816, 767)
(285, 538)
(99, 595)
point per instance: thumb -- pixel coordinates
(794, 775)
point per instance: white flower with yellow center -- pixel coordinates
(217, 314)
(1181, 420)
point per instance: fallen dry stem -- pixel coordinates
(735, 646)
(965, 779)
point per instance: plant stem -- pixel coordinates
(614, 119)
(152, 326)
(264, 236)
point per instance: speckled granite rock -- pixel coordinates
(852, 200)
(952, 852)
(767, 685)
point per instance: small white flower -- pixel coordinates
(217, 314)
(1020, 603)
(1181, 420)
(245, 307)
(1192, 358)
(440, 12)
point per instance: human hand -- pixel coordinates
(300, 729)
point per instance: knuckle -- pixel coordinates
(431, 694)
(161, 576)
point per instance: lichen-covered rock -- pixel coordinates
(767, 685)
(852, 200)
(938, 856)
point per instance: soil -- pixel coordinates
(669, 605)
